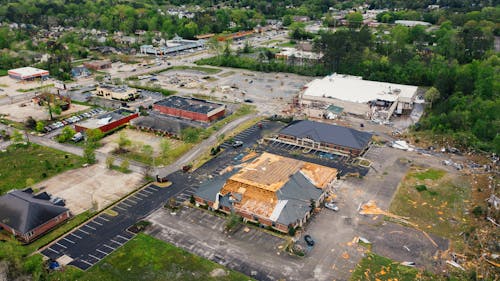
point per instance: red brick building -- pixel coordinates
(28, 216)
(97, 64)
(190, 108)
(108, 121)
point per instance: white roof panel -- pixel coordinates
(355, 89)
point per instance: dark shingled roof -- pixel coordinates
(298, 192)
(22, 212)
(189, 104)
(328, 133)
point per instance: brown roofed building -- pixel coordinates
(272, 190)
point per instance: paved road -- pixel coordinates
(201, 148)
(103, 234)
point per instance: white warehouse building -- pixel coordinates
(357, 96)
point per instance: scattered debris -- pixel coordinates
(408, 263)
(452, 263)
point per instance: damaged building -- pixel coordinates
(271, 190)
(370, 99)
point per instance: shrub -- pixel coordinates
(421, 187)
(478, 211)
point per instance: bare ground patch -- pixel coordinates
(81, 186)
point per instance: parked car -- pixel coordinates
(332, 206)
(77, 137)
(309, 240)
(248, 101)
(237, 144)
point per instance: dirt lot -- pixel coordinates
(139, 139)
(20, 111)
(11, 86)
(271, 91)
(80, 186)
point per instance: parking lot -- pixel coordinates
(91, 242)
(334, 255)
(103, 234)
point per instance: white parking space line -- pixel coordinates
(91, 264)
(123, 209)
(102, 252)
(130, 200)
(108, 247)
(53, 250)
(96, 222)
(115, 242)
(76, 236)
(128, 205)
(138, 198)
(122, 237)
(153, 188)
(103, 218)
(91, 227)
(90, 255)
(57, 243)
(143, 195)
(66, 239)
(147, 191)
(83, 232)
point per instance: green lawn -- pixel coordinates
(374, 267)
(35, 162)
(431, 174)
(3, 72)
(434, 201)
(288, 44)
(147, 258)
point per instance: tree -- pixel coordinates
(110, 160)
(354, 20)
(124, 166)
(30, 123)
(94, 135)
(190, 135)
(287, 20)
(165, 148)
(147, 150)
(117, 81)
(89, 154)
(431, 96)
(30, 182)
(40, 125)
(123, 141)
(66, 134)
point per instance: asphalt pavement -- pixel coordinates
(103, 234)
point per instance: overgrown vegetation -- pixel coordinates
(434, 201)
(375, 267)
(33, 161)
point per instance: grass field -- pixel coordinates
(35, 162)
(434, 200)
(374, 267)
(3, 72)
(147, 258)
